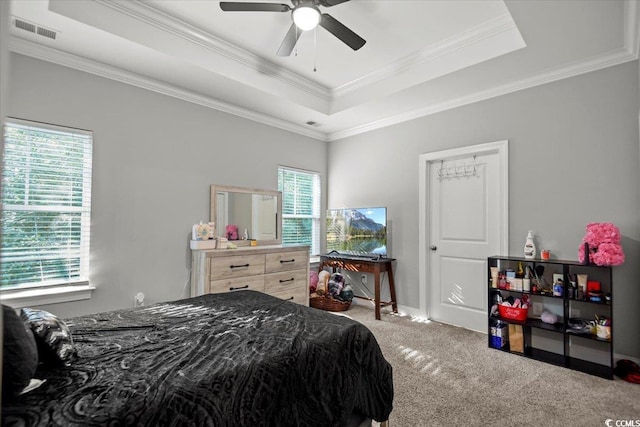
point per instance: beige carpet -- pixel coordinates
(447, 376)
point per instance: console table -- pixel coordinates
(375, 266)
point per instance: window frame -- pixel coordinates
(59, 290)
(316, 216)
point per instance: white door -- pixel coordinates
(464, 218)
(264, 217)
(222, 215)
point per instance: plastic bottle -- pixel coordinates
(529, 246)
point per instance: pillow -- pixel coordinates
(53, 337)
(19, 353)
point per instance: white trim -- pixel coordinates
(65, 130)
(410, 311)
(629, 52)
(55, 56)
(501, 24)
(502, 148)
(631, 33)
(20, 298)
(619, 56)
(149, 15)
(618, 356)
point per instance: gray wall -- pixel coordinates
(154, 159)
(573, 158)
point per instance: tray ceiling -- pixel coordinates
(421, 57)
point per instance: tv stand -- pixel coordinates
(375, 265)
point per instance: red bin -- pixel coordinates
(512, 313)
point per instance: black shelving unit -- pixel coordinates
(579, 351)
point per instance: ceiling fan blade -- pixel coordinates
(233, 6)
(347, 36)
(329, 3)
(289, 41)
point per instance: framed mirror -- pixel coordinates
(256, 211)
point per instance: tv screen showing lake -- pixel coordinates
(357, 231)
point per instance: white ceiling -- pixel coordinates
(421, 57)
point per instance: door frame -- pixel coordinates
(424, 238)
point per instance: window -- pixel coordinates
(300, 207)
(46, 205)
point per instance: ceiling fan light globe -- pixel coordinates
(306, 17)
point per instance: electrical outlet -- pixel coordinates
(363, 279)
(537, 308)
(574, 313)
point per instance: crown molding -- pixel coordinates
(616, 57)
(631, 33)
(501, 24)
(58, 57)
(55, 56)
(629, 52)
(149, 15)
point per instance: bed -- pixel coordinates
(234, 359)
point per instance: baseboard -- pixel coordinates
(402, 310)
(617, 356)
(411, 311)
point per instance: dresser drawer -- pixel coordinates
(298, 296)
(227, 267)
(254, 283)
(283, 261)
(280, 285)
(276, 282)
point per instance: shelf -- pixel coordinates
(588, 336)
(597, 369)
(552, 296)
(545, 356)
(541, 261)
(533, 323)
(539, 324)
(605, 303)
(567, 342)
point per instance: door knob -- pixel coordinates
(434, 247)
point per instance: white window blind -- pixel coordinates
(300, 207)
(46, 204)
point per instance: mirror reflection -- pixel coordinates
(246, 214)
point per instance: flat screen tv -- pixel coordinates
(357, 231)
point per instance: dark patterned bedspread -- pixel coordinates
(236, 359)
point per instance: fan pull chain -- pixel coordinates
(315, 51)
(296, 45)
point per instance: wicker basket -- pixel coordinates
(329, 304)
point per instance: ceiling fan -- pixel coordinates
(306, 16)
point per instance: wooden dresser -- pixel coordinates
(281, 271)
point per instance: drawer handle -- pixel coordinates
(282, 261)
(239, 287)
(287, 280)
(239, 266)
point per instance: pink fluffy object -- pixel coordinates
(603, 239)
(232, 232)
(604, 254)
(313, 281)
(601, 232)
